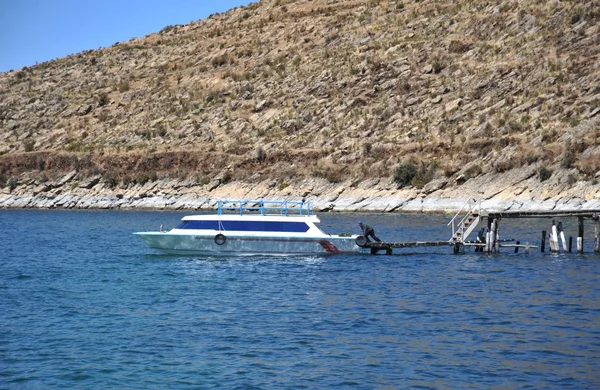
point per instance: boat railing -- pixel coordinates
(264, 207)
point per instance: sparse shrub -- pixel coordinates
(331, 175)
(531, 158)
(458, 47)
(28, 144)
(574, 121)
(404, 173)
(544, 174)
(103, 99)
(367, 148)
(226, 177)
(261, 155)
(110, 180)
(473, 171)
(504, 165)
(103, 116)
(161, 131)
(219, 61)
(12, 183)
(143, 178)
(123, 86)
(568, 158)
(282, 186)
(425, 173)
(202, 179)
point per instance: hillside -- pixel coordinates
(418, 96)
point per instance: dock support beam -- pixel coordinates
(597, 235)
(497, 237)
(543, 245)
(561, 234)
(554, 238)
(491, 243)
(570, 244)
(580, 236)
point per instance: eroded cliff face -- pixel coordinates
(517, 190)
(357, 105)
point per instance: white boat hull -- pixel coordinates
(197, 244)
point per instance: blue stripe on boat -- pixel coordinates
(247, 226)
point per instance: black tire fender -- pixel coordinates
(220, 239)
(361, 241)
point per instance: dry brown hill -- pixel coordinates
(336, 89)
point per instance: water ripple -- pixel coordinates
(91, 307)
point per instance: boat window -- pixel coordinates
(248, 226)
(201, 225)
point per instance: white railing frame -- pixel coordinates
(461, 224)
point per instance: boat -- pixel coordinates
(251, 227)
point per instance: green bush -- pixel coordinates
(12, 183)
(110, 179)
(28, 145)
(103, 99)
(544, 174)
(568, 159)
(123, 86)
(261, 155)
(404, 173)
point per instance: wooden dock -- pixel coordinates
(585, 214)
(469, 217)
(389, 246)
(488, 240)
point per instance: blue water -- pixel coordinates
(84, 304)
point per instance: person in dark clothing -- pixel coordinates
(368, 231)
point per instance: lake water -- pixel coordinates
(85, 304)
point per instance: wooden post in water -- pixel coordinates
(543, 245)
(562, 235)
(597, 236)
(554, 238)
(517, 247)
(580, 236)
(497, 238)
(570, 244)
(492, 240)
(488, 236)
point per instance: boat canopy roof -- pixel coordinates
(264, 207)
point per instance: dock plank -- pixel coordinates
(385, 245)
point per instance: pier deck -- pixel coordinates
(488, 240)
(389, 246)
(476, 215)
(586, 214)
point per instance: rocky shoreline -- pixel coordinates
(518, 190)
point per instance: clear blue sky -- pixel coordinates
(40, 30)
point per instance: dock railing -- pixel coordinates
(264, 207)
(470, 206)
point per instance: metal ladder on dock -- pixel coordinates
(468, 223)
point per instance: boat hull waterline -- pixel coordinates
(251, 227)
(195, 244)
